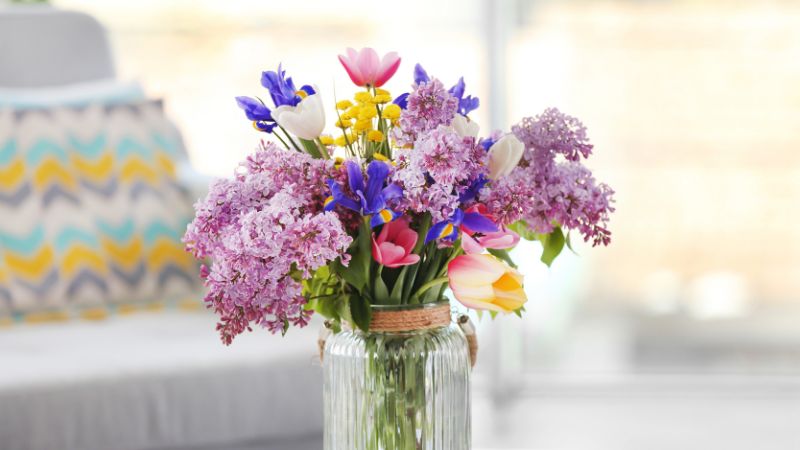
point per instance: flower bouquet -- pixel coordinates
(370, 226)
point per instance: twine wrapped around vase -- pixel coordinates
(413, 320)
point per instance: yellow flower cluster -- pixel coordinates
(356, 118)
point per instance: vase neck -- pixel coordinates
(410, 318)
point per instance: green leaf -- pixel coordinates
(521, 228)
(552, 244)
(355, 273)
(502, 254)
(311, 148)
(360, 312)
(381, 291)
(396, 297)
(569, 244)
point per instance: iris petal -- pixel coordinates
(479, 223)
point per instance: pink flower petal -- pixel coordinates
(368, 64)
(391, 253)
(407, 238)
(387, 68)
(470, 245)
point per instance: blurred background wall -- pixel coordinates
(693, 107)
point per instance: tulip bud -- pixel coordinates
(465, 127)
(504, 156)
(306, 120)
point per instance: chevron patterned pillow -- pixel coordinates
(91, 212)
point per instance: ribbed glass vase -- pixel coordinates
(398, 390)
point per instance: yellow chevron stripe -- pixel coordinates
(166, 164)
(136, 168)
(190, 304)
(98, 313)
(32, 268)
(122, 254)
(3, 275)
(153, 307)
(127, 309)
(99, 170)
(80, 256)
(52, 170)
(46, 317)
(12, 175)
(166, 251)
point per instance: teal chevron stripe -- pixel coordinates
(119, 233)
(170, 146)
(38, 151)
(158, 229)
(7, 152)
(90, 149)
(128, 146)
(25, 245)
(71, 235)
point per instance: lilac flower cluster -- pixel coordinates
(436, 173)
(265, 230)
(428, 106)
(545, 190)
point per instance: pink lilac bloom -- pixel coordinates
(441, 166)
(429, 106)
(263, 230)
(546, 189)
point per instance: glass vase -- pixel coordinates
(398, 390)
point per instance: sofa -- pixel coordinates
(104, 342)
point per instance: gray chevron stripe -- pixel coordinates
(182, 190)
(86, 276)
(172, 271)
(5, 296)
(41, 289)
(54, 192)
(107, 190)
(140, 188)
(130, 278)
(16, 198)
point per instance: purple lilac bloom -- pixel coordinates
(428, 106)
(263, 229)
(442, 166)
(544, 190)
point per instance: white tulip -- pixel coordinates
(465, 127)
(306, 120)
(504, 156)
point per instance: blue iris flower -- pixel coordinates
(258, 113)
(487, 143)
(448, 229)
(465, 104)
(282, 92)
(371, 198)
(402, 101)
(474, 188)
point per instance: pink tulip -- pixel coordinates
(366, 69)
(395, 244)
(502, 239)
(473, 242)
(486, 283)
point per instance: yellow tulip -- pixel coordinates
(483, 282)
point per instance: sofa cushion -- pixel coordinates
(108, 92)
(92, 211)
(151, 380)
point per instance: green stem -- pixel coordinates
(430, 284)
(289, 137)
(322, 149)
